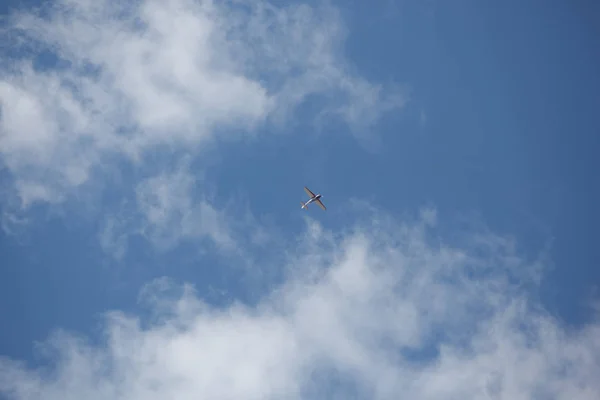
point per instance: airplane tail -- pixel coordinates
(304, 205)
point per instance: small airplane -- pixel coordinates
(313, 198)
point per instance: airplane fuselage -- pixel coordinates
(312, 199)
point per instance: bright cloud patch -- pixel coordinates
(379, 313)
(90, 79)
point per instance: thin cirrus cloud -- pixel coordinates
(88, 81)
(171, 213)
(380, 312)
(168, 208)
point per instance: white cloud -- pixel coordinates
(160, 75)
(351, 319)
(166, 209)
(171, 213)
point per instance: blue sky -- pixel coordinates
(153, 158)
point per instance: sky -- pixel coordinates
(153, 155)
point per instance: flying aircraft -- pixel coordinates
(313, 198)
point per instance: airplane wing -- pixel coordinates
(321, 204)
(308, 192)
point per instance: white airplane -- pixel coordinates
(313, 198)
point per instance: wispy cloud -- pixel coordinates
(382, 311)
(88, 81)
(167, 209)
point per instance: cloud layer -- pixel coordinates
(382, 312)
(87, 82)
